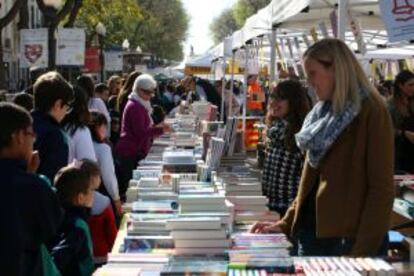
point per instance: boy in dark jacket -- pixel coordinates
(73, 250)
(29, 208)
(52, 100)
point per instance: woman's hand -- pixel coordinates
(118, 207)
(409, 135)
(266, 227)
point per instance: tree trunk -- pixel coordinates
(52, 46)
(2, 69)
(4, 21)
(24, 16)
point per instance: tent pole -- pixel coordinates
(273, 55)
(342, 18)
(245, 96)
(223, 87)
(233, 57)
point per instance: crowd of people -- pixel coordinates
(67, 152)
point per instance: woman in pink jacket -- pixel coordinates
(137, 130)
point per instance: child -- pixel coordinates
(98, 126)
(72, 251)
(102, 220)
(52, 100)
(30, 209)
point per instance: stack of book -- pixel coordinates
(148, 244)
(134, 264)
(204, 110)
(262, 252)
(154, 207)
(199, 236)
(249, 203)
(343, 266)
(182, 161)
(243, 187)
(183, 265)
(145, 225)
(184, 139)
(202, 203)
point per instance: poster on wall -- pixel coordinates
(70, 46)
(34, 48)
(92, 64)
(398, 16)
(113, 61)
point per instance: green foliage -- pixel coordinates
(157, 26)
(118, 16)
(163, 28)
(243, 9)
(223, 26)
(232, 19)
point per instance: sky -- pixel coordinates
(201, 14)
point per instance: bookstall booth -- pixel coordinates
(192, 200)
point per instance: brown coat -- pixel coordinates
(355, 193)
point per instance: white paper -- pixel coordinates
(113, 61)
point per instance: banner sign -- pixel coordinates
(70, 46)
(34, 48)
(92, 64)
(398, 16)
(113, 61)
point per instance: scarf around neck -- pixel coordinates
(322, 126)
(145, 104)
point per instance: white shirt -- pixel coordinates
(106, 165)
(81, 145)
(99, 105)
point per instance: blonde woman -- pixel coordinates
(114, 85)
(346, 192)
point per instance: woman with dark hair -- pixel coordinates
(98, 126)
(401, 107)
(125, 91)
(76, 126)
(288, 107)
(86, 83)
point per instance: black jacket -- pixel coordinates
(31, 215)
(52, 144)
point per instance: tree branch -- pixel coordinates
(64, 11)
(11, 14)
(73, 14)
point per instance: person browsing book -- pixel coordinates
(30, 209)
(137, 130)
(283, 163)
(72, 249)
(401, 107)
(346, 192)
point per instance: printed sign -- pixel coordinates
(398, 16)
(70, 47)
(113, 61)
(33, 48)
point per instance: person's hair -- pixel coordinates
(90, 167)
(79, 116)
(12, 118)
(86, 83)
(97, 120)
(298, 104)
(403, 77)
(24, 100)
(112, 81)
(349, 75)
(100, 88)
(126, 90)
(48, 89)
(71, 181)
